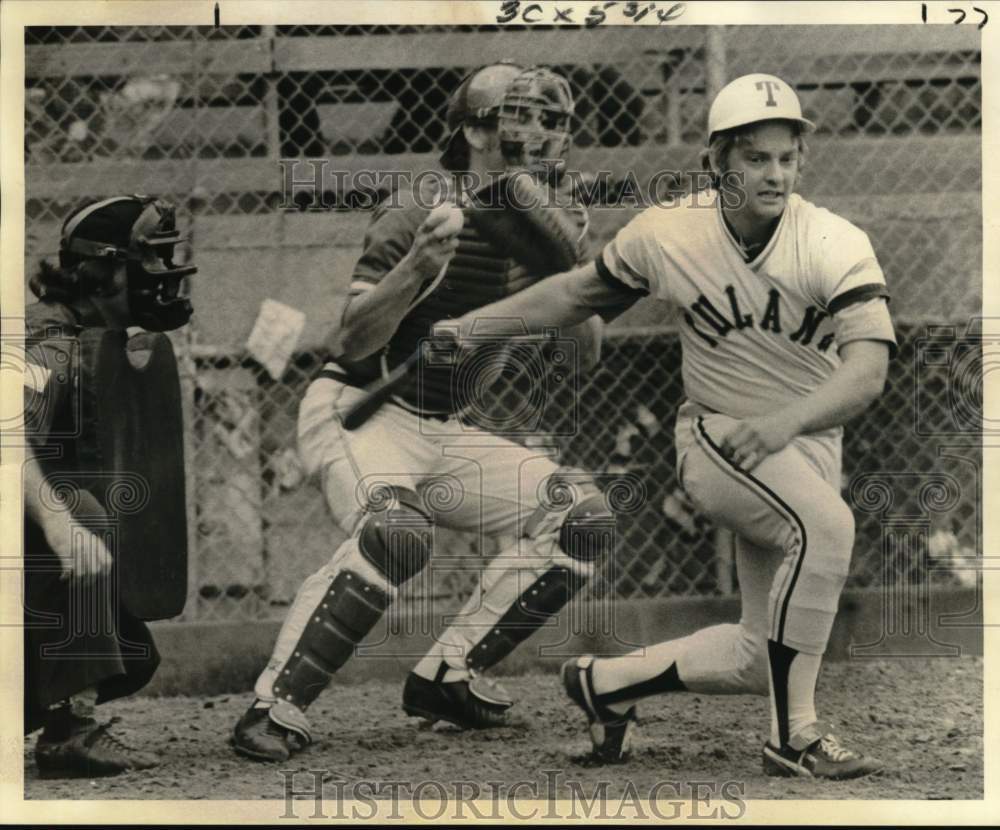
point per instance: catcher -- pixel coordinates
(98, 559)
(383, 482)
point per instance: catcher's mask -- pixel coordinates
(142, 231)
(475, 102)
(534, 121)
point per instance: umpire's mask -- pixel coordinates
(142, 231)
(155, 289)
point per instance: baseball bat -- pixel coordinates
(378, 392)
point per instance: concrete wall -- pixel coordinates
(215, 658)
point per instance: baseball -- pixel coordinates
(445, 221)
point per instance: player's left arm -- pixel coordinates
(851, 286)
(845, 278)
(851, 389)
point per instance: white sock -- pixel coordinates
(802, 676)
(430, 664)
(716, 660)
(612, 674)
(802, 691)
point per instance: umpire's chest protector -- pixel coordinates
(131, 457)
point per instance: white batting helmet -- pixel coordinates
(753, 98)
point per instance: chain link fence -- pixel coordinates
(225, 120)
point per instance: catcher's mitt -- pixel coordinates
(520, 218)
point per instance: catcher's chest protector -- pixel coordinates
(478, 274)
(131, 457)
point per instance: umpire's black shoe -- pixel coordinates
(88, 751)
(611, 733)
(817, 753)
(258, 736)
(472, 703)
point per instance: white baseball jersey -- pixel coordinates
(757, 333)
(760, 333)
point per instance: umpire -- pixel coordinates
(90, 537)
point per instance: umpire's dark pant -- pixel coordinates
(76, 636)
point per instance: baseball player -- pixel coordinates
(384, 482)
(83, 642)
(782, 312)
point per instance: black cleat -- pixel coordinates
(89, 751)
(611, 733)
(817, 753)
(474, 703)
(258, 736)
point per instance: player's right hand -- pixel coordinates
(435, 242)
(754, 439)
(82, 554)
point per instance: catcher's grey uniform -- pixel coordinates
(416, 455)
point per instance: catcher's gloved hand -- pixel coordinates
(520, 218)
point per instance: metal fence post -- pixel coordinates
(715, 79)
(715, 61)
(187, 371)
(271, 98)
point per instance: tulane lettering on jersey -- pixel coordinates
(710, 323)
(758, 333)
(477, 275)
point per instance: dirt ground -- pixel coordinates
(923, 716)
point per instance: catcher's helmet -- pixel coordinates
(530, 109)
(476, 102)
(753, 98)
(142, 231)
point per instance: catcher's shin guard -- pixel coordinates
(529, 591)
(351, 607)
(542, 599)
(393, 546)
